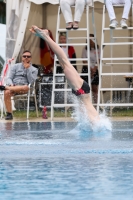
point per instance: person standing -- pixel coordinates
(68, 50)
(93, 67)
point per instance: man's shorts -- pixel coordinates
(85, 89)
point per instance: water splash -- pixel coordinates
(84, 124)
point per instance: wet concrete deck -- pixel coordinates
(59, 119)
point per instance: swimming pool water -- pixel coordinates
(55, 161)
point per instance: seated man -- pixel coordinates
(109, 5)
(21, 74)
(79, 87)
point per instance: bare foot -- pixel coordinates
(42, 33)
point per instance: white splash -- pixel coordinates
(84, 124)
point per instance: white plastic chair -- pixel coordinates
(26, 97)
(1, 103)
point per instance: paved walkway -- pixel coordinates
(58, 119)
(39, 119)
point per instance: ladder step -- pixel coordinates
(60, 83)
(127, 58)
(59, 74)
(117, 64)
(118, 43)
(64, 105)
(116, 104)
(75, 38)
(77, 64)
(73, 44)
(62, 90)
(116, 89)
(76, 59)
(119, 28)
(65, 30)
(82, 74)
(122, 37)
(104, 104)
(102, 89)
(117, 74)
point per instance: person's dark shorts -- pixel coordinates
(95, 79)
(85, 89)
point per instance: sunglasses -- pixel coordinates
(26, 56)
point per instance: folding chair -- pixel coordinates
(2, 82)
(26, 97)
(2, 105)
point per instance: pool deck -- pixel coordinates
(59, 119)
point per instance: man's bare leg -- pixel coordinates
(10, 91)
(7, 100)
(22, 89)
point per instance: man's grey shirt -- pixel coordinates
(19, 75)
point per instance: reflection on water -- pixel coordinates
(93, 177)
(58, 162)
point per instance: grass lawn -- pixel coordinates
(32, 114)
(125, 112)
(116, 112)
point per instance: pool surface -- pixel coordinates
(55, 161)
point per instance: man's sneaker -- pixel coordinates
(123, 23)
(2, 87)
(113, 24)
(9, 116)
